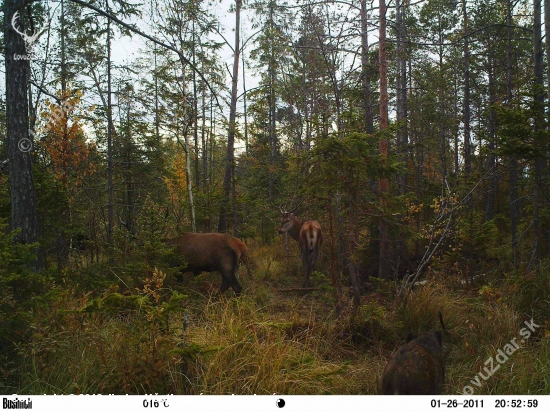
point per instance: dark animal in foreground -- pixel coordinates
(210, 252)
(417, 368)
(309, 237)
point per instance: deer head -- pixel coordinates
(288, 219)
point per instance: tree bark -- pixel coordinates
(272, 108)
(195, 116)
(442, 108)
(383, 272)
(491, 164)
(230, 157)
(110, 205)
(204, 143)
(189, 182)
(466, 108)
(365, 70)
(538, 124)
(19, 141)
(512, 162)
(402, 137)
(547, 42)
(353, 242)
(245, 113)
(333, 268)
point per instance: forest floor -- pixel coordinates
(276, 338)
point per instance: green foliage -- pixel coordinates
(336, 161)
(101, 345)
(19, 283)
(96, 319)
(472, 243)
(20, 288)
(529, 291)
(515, 131)
(372, 323)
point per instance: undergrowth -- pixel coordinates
(159, 337)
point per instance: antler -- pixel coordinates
(28, 39)
(297, 206)
(13, 24)
(283, 211)
(278, 207)
(35, 36)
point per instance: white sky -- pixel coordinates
(126, 49)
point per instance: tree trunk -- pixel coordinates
(157, 119)
(538, 124)
(22, 194)
(230, 157)
(383, 272)
(353, 242)
(204, 143)
(189, 182)
(195, 117)
(110, 206)
(512, 162)
(547, 42)
(272, 108)
(365, 70)
(333, 268)
(402, 138)
(491, 164)
(187, 150)
(128, 172)
(442, 109)
(245, 112)
(466, 109)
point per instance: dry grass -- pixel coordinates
(270, 341)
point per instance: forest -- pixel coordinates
(411, 137)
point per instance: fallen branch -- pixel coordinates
(410, 280)
(297, 290)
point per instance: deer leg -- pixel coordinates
(179, 276)
(229, 274)
(307, 269)
(235, 285)
(314, 257)
(225, 284)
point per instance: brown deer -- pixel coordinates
(417, 368)
(210, 252)
(309, 237)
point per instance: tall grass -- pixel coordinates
(270, 340)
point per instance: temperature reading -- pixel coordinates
(150, 403)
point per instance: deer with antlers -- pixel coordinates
(307, 234)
